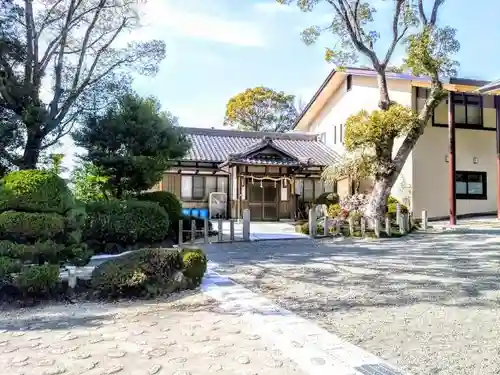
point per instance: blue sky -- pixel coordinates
(216, 49)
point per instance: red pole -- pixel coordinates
(452, 161)
(497, 106)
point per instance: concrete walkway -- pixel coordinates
(260, 231)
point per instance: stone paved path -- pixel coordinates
(190, 336)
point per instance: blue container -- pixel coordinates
(186, 211)
(195, 212)
(204, 213)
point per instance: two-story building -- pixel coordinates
(454, 169)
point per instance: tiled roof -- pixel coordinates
(216, 145)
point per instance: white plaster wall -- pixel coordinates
(364, 94)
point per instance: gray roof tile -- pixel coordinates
(215, 145)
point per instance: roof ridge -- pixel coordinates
(250, 134)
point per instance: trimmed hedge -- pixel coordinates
(168, 201)
(328, 199)
(35, 191)
(149, 273)
(38, 281)
(194, 264)
(125, 222)
(26, 226)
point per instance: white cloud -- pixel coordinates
(161, 17)
(272, 7)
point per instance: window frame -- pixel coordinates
(462, 99)
(467, 195)
(204, 177)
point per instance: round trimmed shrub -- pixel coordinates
(37, 253)
(35, 191)
(334, 210)
(9, 266)
(38, 280)
(125, 222)
(142, 273)
(25, 226)
(328, 199)
(168, 201)
(194, 265)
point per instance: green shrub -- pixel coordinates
(194, 265)
(392, 209)
(38, 281)
(125, 222)
(37, 253)
(168, 201)
(25, 226)
(334, 210)
(328, 199)
(8, 266)
(392, 200)
(35, 191)
(138, 274)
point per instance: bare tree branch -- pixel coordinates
(396, 34)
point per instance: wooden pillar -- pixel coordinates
(452, 165)
(497, 106)
(238, 191)
(291, 198)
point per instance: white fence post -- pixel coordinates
(398, 213)
(325, 226)
(312, 222)
(220, 233)
(362, 224)
(376, 226)
(388, 229)
(205, 230)
(231, 229)
(246, 224)
(424, 219)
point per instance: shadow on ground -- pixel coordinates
(449, 268)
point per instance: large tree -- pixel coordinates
(73, 51)
(261, 109)
(429, 49)
(131, 145)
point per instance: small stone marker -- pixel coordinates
(351, 226)
(325, 226)
(363, 226)
(220, 230)
(424, 219)
(376, 226)
(231, 229)
(312, 222)
(246, 225)
(388, 229)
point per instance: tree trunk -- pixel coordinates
(31, 151)
(378, 197)
(385, 101)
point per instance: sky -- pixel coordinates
(218, 48)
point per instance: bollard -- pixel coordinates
(312, 223)
(246, 224)
(376, 227)
(407, 221)
(231, 229)
(181, 234)
(220, 230)
(402, 225)
(398, 213)
(193, 230)
(205, 230)
(424, 220)
(325, 226)
(363, 226)
(351, 226)
(338, 227)
(388, 229)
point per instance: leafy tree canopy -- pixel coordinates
(132, 144)
(76, 53)
(261, 109)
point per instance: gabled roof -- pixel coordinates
(337, 76)
(221, 145)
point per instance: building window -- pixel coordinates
(308, 195)
(471, 185)
(468, 109)
(349, 82)
(198, 187)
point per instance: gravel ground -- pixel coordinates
(429, 304)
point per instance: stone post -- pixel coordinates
(362, 223)
(220, 234)
(193, 230)
(338, 226)
(402, 229)
(351, 226)
(376, 227)
(398, 213)
(205, 230)
(325, 226)
(231, 229)
(181, 234)
(246, 224)
(312, 222)
(424, 220)
(388, 229)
